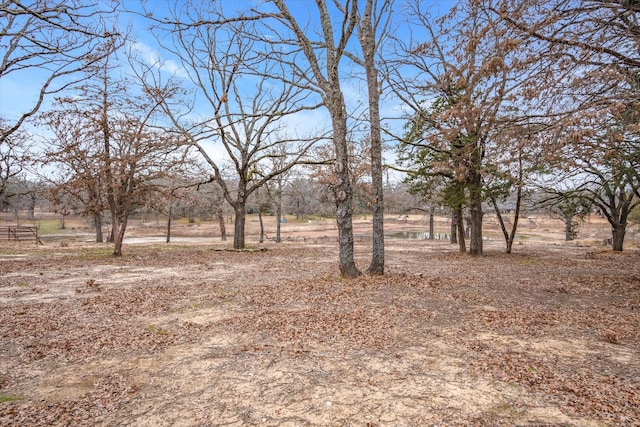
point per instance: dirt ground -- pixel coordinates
(191, 334)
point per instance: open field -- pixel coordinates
(189, 334)
(149, 229)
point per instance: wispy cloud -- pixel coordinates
(153, 58)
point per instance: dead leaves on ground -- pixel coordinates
(108, 394)
(495, 314)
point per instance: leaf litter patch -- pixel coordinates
(242, 338)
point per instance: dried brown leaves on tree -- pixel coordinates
(591, 85)
(109, 154)
(462, 82)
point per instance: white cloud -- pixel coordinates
(153, 58)
(216, 151)
(307, 123)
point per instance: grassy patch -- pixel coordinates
(156, 330)
(185, 307)
(48, 226)
(95, 253)
(185, 221)
(8, 398)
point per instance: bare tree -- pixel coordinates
(567, 205)
(323, 56)
(249, 109)
(75, 155)
(372, 28)
(606, 169)
(178, 191)
(502, 190)
(303, 61)
(53, 39)
(25, 194)
(63, 204)
(276, 188)
(513, 171)
(301, 198)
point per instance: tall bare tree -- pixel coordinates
(321, 73)
(372, 28)
(247, 108)
(461, 81)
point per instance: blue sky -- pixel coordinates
(18, 91)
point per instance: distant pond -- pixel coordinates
(417, 235)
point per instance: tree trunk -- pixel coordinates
(503, 227)
(223, 229)
(278, 217)
(509, 237)
(119, 239)
(4, 202)
(238, 226)
(97, 221)
(516, 218)
(475, 239)
(377, 256)
(169, 223)
(431, 219)
(343, 191)
(460, 224)
(617, 217)
(568, 228)
(261, 226)
(516, 214)
(31, 209)
(475, 213)
(617, 233)
(509, 245)
(344, 219)
(453, 239)
(367, 38)
(118, 234)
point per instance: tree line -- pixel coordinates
(486, 101)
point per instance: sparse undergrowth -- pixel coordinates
(191, 335)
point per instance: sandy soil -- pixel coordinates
(192, 334)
